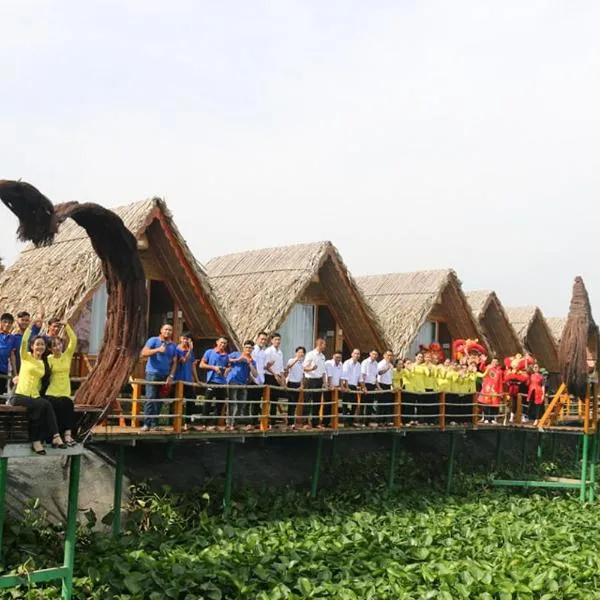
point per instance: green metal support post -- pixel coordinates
(3, 475)
(577, 452)
(393, 462)
(317, 469)
(71, 531)
(539, 452)
(584, 464)
(524, 452)
(229, 475)
(498, 448)
(116, 525)
(451, 462)
(592, 485)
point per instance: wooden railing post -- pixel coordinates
(397, 408)
(179, 407)
(135, 387)
(586, 416)
(443, 411)
(335, 408)
(265, 408)
(519, 410)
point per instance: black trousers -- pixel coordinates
(255, 395)
(64, 411)
(428, 408)
(536, 411)
(214, 404)
(408, 410)
(293, 396)
(189, 393)
(270, 380)
(386, 404)
(312, 400)
(459, 408)
(42, 420)
(3, 384)
(349, 403)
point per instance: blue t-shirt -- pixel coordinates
(160, 363)
(7, 345)
(184, 369)
(240, 371)
(215, 359)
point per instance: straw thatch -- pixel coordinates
(65, 276)
(403, 302)
(557, 326)
(535, 335)
(259, 288)
(579, 338)
(500, 336)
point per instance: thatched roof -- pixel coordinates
(580, 341)
(65, 275)
(403, 302)
(258, 289)
(557, 325)
(535, 334)
(499, 334)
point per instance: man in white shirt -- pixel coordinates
(333, 371)
(385, 378)
(274, 371)
(314, 378)
(259, 357)
(294, 373)
(368, 375)
(350, 380)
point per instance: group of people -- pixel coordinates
(234, 380)
(35, 373)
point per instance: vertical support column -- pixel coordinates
(335, 408)
(577, 451)
(398, 408)
(451, 461)
(3, 476)
(179, 407)
(393, 462)
(317, 468)
(584, 464)
(539, 447)
(498, 448)
(265, 408)
(135, 407)
(116, 524)
(228, 475)
(592, 485)
(443, 411)
(71, 532)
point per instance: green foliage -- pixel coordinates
(356, 542)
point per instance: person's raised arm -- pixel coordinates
(72, 340)
(205, 366)
(24, 349)
(150, 350)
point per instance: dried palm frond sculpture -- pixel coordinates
(578, 348)
(116, 247)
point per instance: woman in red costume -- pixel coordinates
(491, 391)
(515, 376)
(536, 395)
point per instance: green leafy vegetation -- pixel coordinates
(356, 541)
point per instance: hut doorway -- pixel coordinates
(326, 328)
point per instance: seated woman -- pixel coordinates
(59, 390)
(33, 381)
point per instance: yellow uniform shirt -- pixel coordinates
(32, 370)
(60, 383)
(441, 378)
(452, 385)
(408, 384)
(430, 377)
(418, 377)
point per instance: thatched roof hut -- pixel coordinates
(67, 275)
(535, 335)
(557, 325)
(261, 289)
(405, 302)
(498, 332)
(580, 342)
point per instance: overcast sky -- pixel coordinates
(414, 135)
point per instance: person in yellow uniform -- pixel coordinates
(419, 376)
(32, 382)
(59, 390)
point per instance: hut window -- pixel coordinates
(298, 329)
(425, 336)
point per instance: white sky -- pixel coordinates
(413, 135)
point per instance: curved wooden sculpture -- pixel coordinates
(116, 247)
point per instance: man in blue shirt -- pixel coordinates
(161, 353)
(215, 361)
(241, 366)
(185, 372)
(7, 347)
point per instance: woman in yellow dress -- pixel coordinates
(59, 390)
(32, 383)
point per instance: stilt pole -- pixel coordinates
(393, 462)
(228, 475)
(116, 525)
(592, 485)
(317, 469)
(539, 447)
(71, 531)
(451, 462)
(584, 464)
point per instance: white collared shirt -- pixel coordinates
(368, 371)
(334, 372)
(351, 372)
(295, 371)
(274, 355)
(388, 376)
(314, 357)
(259, 356)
